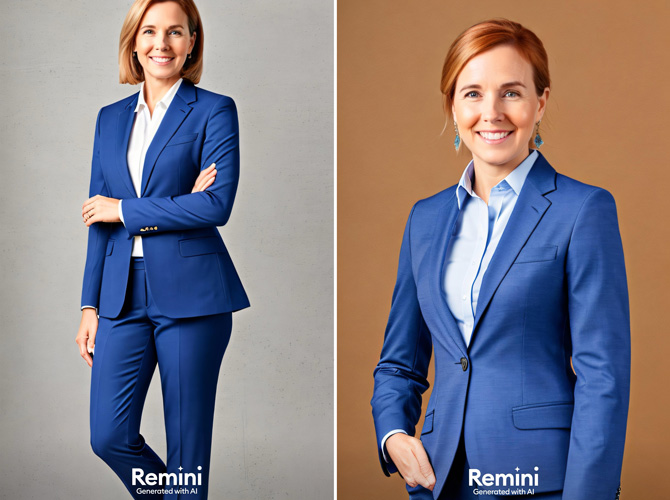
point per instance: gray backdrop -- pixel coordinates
(273, 435)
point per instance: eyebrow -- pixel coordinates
(169, 27)
(478, 87)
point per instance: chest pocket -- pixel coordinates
(537, 254)
(182, 139)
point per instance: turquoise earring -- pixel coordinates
(457, 140)
(538, 140)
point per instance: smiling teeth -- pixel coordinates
(493, 137)
(161, 59)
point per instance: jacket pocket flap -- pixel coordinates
(537, 254)
(181, 139)
(198, 246)
(110, 247)
(543, 416)
(428, 423)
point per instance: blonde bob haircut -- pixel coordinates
(130, 70)
(484, 36)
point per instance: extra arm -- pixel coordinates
(600, 333)
(401, 374)
(205, 208)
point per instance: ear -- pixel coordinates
(542, 101)
(192, 44)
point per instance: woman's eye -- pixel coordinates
(511, 93)
(471, 94)
(174, 32)
(148, 32)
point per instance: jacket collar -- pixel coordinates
(527, 213)
(177, 112)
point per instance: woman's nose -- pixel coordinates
(162, 43)
(491, 108)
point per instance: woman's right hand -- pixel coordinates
(205, 179)
(86, 334)
(410, 458)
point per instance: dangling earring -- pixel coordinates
(189, 56)
(134, 53)
(538, 140)
(457, 140)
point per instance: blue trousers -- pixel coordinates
(457, 488)
(188, 352)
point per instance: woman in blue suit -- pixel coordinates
(164, 175)
(515, 280)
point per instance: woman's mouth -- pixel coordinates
(161, 61)
(494, 137)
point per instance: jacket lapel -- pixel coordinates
(444, 220)
(527, 213)
(175, 115)
(124, 126)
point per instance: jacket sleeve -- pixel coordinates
(202, 209)
(600, 334)
(401, 374)
(98, 234)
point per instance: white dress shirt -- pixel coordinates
(143, 132)
(472, 244)
(144, 129)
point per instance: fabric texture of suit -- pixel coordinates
(187, 263)
(555, 288)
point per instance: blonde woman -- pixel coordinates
(159, 286)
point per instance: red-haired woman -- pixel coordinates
(164, 175)
(511, 277)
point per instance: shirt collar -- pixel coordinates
(165, 100)
(515, 179)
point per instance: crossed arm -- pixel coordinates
(103, 209)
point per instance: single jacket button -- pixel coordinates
(464, 363)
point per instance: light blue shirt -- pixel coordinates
(475, 238)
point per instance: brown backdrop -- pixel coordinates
(607, 123)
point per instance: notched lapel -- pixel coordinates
(174, 117)
(444, 223)
(527, 213)
(124, 126)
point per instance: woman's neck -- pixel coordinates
(155, 89)
(486, 176)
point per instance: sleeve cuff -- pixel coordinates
(388, 435)
(90, 307)
(121, 213)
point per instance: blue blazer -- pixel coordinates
(188, 267)
(555, 288)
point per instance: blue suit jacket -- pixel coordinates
(189, 270)
(555, 288)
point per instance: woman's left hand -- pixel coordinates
(100, 209)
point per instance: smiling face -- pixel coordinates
(496, 108)
(163, 43)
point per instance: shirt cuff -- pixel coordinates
(121, 213)
(388, 435)
(90, 307)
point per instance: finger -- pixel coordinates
(426, 478)
(87, 208)
(208, 183)
(204, 182)
(89, 201)
(92, 220)
(84, 353)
